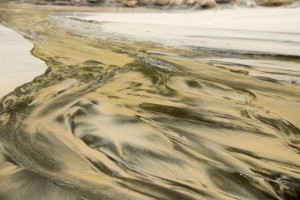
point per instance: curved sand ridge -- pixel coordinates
(17, 66)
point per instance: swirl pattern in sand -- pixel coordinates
(114, 119)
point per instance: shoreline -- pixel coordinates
(236, 29)
(167, 4)
(18, 64)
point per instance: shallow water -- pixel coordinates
(268, 31)
(117, 119)
(15, 72)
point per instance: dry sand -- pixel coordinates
(18, 66)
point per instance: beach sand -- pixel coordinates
(123, 119)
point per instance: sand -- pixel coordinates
(18, 66)
(114, 119)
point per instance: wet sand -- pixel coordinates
(18, 66)
(113, 118)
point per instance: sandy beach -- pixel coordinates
(262, 31)
(172, 106)
(18, 66)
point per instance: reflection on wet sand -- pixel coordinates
(117, 120)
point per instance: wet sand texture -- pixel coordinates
(114, 119)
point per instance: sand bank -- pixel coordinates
(18, 66)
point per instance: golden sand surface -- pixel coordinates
(118, 119)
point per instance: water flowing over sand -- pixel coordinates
(114, 118)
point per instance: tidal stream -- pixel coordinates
(114, 118)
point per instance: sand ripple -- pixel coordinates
(160, 125)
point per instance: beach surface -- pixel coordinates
(234, 32)
(120, 115)
(18, 66)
